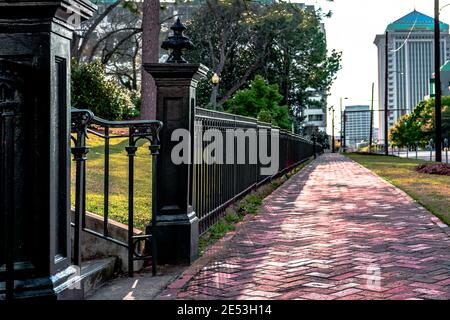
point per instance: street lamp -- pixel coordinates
(386, 93)
(215, 80)
(371, 118)
(437, 81)
(314, 140)
(332, 129)
(342, 122)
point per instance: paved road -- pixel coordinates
(334, 231)
(423, 155)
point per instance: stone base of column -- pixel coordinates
(177, 238)
(64, 285)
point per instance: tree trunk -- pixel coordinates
(150, 54)
(74, 44)
(239, 83)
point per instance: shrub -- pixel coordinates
(92, 90)
(265, 116)
(435, 168)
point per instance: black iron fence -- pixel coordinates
(235, 168)
(84, 123)
(217, 183)
(427, 152)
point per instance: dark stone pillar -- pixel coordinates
(35, 253)
(177, 224)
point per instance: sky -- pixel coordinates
(352, 30)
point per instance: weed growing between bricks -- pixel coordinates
(250, 204)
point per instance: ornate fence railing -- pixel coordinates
(235, 168)
(84, 123)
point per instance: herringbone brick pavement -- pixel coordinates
(333, 231)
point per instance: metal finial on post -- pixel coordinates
(177, 44)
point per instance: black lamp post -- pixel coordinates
(215, 80)
(371, 119)
(344, 149)
(314, 140)
(386, 92)
(437, 81)
(342, 121)
(332, 130)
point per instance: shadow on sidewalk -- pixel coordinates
(228, 268)
(335, 230)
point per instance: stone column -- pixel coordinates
(35, 37)
(177, 224)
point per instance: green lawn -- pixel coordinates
(118, 185)
(432, 191)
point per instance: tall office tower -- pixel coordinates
(410, 64)
(357, 124)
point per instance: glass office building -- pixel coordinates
(357, 124)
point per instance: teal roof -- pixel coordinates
(420, 21)
(446, 66)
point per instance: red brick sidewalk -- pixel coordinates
(333, 231)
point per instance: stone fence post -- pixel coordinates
(177, 223)
(176, 82)
(35, 159)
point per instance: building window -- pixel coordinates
(315, 107)
(315, 117)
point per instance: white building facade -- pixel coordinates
(410, 64)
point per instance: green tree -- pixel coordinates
(92, 90)
(238, 39)
(401, 134)
(445, 116)
(323, 139)
(229, 40)
(417, 128)
(298, 59)
(261, 100)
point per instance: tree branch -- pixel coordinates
(255, 66)
(95, 47)
(93, 26)
(108, 56)
(240, 83)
